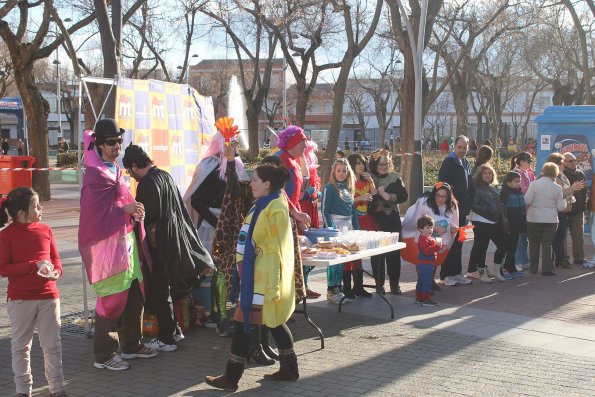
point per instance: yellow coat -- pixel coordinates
(274, 277)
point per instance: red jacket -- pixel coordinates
(22, 245)
(428, 247)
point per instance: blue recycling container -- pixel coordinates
(313, 234)
(567, 129)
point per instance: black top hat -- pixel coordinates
(107, 128)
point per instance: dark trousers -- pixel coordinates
(159, 302)
(484, 232)
(387, 223)
(541, 237)
(512, 239)
(106, 344)
(240, 341)
(560, 237)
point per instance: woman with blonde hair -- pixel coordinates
(543, 200)
(488, 222)
(338, 211)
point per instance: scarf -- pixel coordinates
(247, 286)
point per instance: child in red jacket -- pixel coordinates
(428, 248)
(30, 260)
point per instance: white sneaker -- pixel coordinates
(450, 280)
(179, 336)
(462, 279)
(588, 264)
(114, 363)
(520, 268)
(335, 297)
(156, 344)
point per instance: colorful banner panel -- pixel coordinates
(171, 122)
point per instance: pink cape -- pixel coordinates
(103, 225)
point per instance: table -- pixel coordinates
(343, 259)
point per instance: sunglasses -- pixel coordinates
(112, 142)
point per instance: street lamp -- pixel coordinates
(295, 54)
(58, 91)
(181, 68)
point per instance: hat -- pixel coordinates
(107, 128)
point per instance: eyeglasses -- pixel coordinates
(382, 164)
(112, 142)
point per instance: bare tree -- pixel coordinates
(401, 37)
(254, 46)
(360, 24)
(359, 105)
(25, 50)
(584, 60)
(471, 39)
(498, 80)
(380, 80)
(303, 28)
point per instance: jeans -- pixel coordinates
(425, 275)
(512, 239)
(541, 236)
(521, 256)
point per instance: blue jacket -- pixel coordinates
(338, 201)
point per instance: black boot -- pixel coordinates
(229, 380)
(256, 351)
(264, 341)
(347, 285)
(358, 284)
(288, 369)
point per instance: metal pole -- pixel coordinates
(284, 90)
(418, 124)
(58, 92)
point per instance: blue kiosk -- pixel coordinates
(569, 129)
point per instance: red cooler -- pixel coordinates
(12, 179)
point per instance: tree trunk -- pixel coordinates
(253, 124)
(408, 104)
(460, 96)
(301, 103)
(336, 119)
(37, 109)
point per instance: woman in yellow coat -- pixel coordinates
(266, 266)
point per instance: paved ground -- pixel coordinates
(532, 336)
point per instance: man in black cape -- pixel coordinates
(179, 257)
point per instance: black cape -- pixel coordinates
(178, 249)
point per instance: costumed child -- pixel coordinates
(441, 205)
(309, 199)
(513, 200)
(338, 211)
(426, 259)
(364, 191)
(29, 258)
